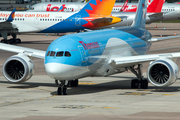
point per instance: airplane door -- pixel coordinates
(78, 20)
(83, 55)
(178, 11)
(36, 21)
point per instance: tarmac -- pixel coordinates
(96, 97)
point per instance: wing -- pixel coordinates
(163, 38)
(134, 60)
(27, 51)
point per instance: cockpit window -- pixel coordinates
(48, 53)
(59, 54)
(67, 54)
(52, 53)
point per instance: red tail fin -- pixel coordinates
(155, 6)
(124, 7)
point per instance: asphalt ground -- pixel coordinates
(95, 97)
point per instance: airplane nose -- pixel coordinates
(54, 70)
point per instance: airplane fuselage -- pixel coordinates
(45, 22)
(69, 7)
(84, 56)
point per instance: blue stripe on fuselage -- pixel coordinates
(71, 43)
(70, 24)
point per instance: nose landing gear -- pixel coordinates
(62, 86)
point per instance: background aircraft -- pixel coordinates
(168, 11)
(89, 17)
(153, 14)
(74, 6)
(97, 53)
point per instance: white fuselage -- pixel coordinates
(54, 6)
(34, 21)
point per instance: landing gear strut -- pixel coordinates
(12, 40)
(62, 87)
(140, 81)
(73, 83)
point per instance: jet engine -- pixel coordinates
(163, 72)
(18, 68)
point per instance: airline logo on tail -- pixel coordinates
(125, 6)
(97, 9)
(11, 16)
(153, 7)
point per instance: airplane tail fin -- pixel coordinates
(124, 7)
(140, 18)
(11, 16)
(155, 6)
(97, 7)
(61, 9)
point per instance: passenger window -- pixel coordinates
(59, 54)
(67, 54)
(48, 53)
(52, 53)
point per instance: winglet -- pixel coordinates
(97, 7)
(140, 19)
(11, 16)
(124, 7)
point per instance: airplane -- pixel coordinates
(153, 14)
(74, 6)
(89, 17)
(97, 53)
(153, 7)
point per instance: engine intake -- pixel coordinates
(18, 68)
(163, 72)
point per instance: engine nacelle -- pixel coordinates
(163, 72)
(18, 68)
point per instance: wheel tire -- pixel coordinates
(144, 84)
(3, 41)
(64, 90)
(59, 91)
(9, 42)
(12, 41)
(135, 83)
(18, 40)
(76, 82)
(73, 83)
